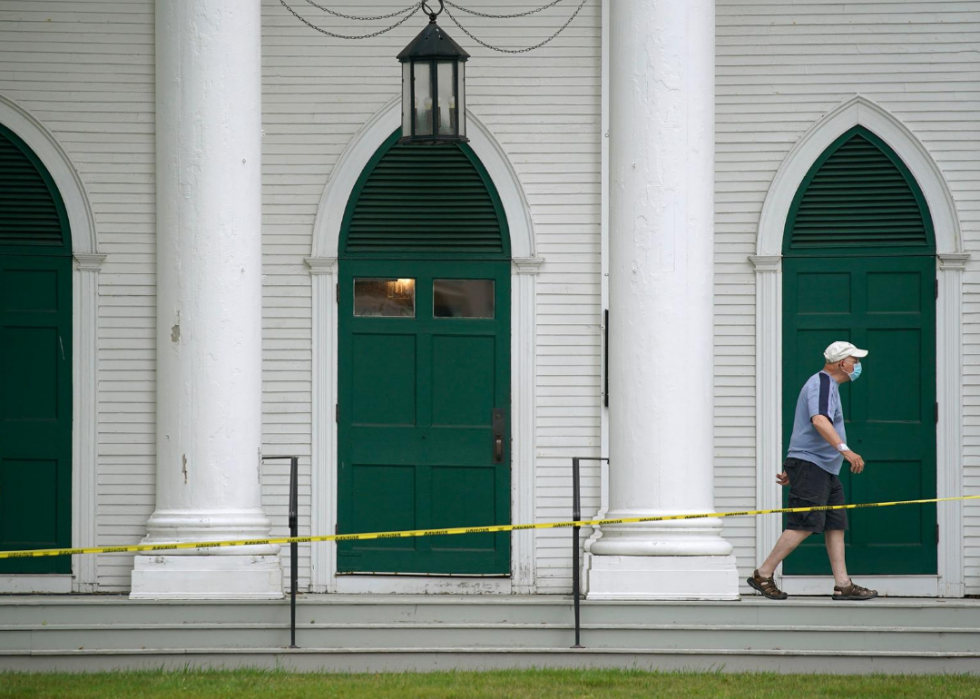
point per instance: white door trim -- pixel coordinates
(323, 268)
(949, 359)
(85, 321)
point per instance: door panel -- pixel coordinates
(887, 305)
(416, 402)
(35, 410)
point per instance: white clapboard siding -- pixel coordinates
(780, 67)
(85, 71)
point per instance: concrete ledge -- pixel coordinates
(436, 659)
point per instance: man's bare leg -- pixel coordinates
(835, 551)
(788, 541)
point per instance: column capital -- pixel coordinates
(528, 265)
(953, 260)
(321, 265)
(766, 263)
(88, 261)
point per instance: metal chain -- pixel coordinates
(519, 14)
(414, 9)
(361, 19)
(529, 48)
(295, 14)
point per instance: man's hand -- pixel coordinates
(855, 460)
(782, 478)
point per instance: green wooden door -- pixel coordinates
(35, 362)
(887, 305)
(424, 363)
(859, 265)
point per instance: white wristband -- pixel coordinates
(843, 447)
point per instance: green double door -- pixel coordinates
(35, 410)
(887, 305)
(424, 414)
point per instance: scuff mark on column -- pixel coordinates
(183, 469)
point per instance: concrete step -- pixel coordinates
(425, 632)
(434, 609)
(447, 636)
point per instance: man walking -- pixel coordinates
(817, 450)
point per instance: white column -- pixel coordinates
(209, 301)
(661, 206)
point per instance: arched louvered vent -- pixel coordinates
(31, 213)
(420, 200)
(858, 194)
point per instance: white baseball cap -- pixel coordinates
(840, 350)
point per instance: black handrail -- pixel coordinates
(293, 545)
(577, 517)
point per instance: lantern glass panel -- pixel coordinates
(461, 97)
(423, 99)
(447, 100)
(406, 98)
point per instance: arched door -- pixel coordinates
(424, 364)
(35, 361)
(859, 265)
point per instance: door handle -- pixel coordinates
(498, 435)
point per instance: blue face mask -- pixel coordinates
(853, 376)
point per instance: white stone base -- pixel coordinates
(207, 577)
(661, 577)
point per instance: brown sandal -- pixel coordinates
(853, 592)
(767, 586)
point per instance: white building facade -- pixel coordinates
(218, 169)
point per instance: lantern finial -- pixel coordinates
(430, 12)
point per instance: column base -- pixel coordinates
(207, 577)
(661, 577)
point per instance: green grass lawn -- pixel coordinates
(532, 684)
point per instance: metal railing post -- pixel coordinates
(576, 572)
(577, 517)
(293, 545)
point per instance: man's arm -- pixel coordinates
(826, 430)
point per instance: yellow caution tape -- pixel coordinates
(493, 528)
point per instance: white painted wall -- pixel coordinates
(781, 66)
(85, 70)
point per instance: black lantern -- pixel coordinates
(433, 90)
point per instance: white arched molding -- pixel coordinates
(951, 260)
(323, 268)
(85, 313)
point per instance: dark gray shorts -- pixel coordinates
(809, 486)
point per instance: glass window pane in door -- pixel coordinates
(462, 298)
(385, 298)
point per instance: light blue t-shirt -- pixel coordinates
(820, 396)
